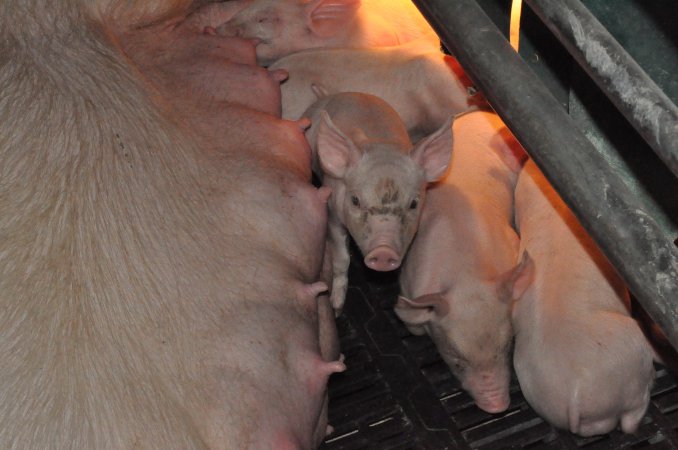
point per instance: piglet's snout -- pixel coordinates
(494, 404)
(490, 391)
(383, 259)
(383, 249)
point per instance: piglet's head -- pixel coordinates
(383, 189)
(288, 26)
(473, 338)
(471, 327)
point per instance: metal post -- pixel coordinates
(636, 96)
(629, 235)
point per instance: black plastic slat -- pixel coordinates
(397, 393)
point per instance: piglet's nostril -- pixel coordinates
(382, 259)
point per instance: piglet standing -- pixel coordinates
(582, 361)
(457, 279)
(378, 180)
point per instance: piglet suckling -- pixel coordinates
(422, 84)
(283, 27)
(457, 279)
(582, 361)
(377, 177)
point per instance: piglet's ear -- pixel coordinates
(336, 152)
(421, 310)
(433, 153)
(327, 17)
(509, 149)
(515, 282)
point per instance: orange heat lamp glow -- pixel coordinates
(514, 28)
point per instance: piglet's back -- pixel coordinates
(582, 361)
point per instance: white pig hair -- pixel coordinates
(136, 13)
(64, 17)
(86, 162)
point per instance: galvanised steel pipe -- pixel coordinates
(618, 221)
(617, 74)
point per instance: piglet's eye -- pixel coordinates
(414, 203)
(355, 201)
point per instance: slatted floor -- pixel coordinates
(398, 394)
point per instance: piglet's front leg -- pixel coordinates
(338, 243)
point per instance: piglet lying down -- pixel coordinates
(457, 279)
(582, 361)
(282, 27)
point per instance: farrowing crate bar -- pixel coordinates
(636, 236)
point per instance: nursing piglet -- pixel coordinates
(457, 279)
(378, 180)
(289, 26)
(423, 85)
(582, 361)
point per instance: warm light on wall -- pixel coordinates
(514, 29)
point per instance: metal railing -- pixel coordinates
(617, 218)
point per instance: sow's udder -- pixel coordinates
(192, 65)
